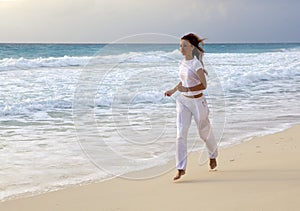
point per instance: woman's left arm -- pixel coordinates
(201, 86)
(202, 77)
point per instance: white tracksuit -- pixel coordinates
(192, 107)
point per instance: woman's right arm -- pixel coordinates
(172, 91)
(181, 88)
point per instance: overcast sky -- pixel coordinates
(109, 20)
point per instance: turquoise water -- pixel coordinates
(30, 51)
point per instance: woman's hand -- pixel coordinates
(170, 92)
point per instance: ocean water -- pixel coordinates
(78, 113)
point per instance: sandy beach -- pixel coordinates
(260, 174)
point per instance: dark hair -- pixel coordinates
(195, 41)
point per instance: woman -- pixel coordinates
(192, 103)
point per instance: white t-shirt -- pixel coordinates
(188, 74)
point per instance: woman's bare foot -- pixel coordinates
(212, 163)
(179, 174)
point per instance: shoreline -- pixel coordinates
(261, 173)
(170, 165)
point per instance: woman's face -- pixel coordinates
(186, 48)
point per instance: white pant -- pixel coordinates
(186, 108)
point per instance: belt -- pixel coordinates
(194, 96)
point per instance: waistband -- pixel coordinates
(194, 96)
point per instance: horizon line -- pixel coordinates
(163, 43)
